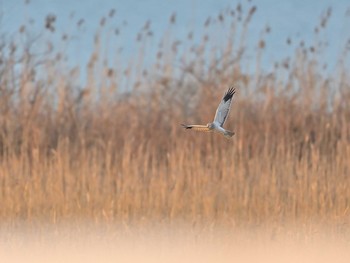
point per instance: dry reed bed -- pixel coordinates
(279, 166)
(101, 154)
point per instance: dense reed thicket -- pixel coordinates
(113, 149)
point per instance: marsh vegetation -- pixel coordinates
(112, 149)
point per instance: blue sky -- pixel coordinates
(296, 19)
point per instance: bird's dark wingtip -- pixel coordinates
(186, 126)
(229, 93)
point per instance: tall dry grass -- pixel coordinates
(112, 150)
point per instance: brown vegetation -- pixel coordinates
(109, 151)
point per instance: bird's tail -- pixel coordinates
(229, 134)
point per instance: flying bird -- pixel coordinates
(220, 117)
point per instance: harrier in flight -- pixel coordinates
(220, 116)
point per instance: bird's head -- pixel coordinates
(210, 125)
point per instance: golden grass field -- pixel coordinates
(105, 153)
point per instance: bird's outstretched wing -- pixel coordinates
(224, 107)
(196, 127)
